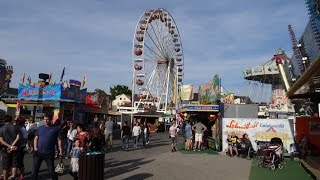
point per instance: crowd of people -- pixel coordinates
(48, 141)
(194, 132)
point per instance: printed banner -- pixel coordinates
(214, 92)
(48, 93)
(258, 129)
(186, 92)
(51, 92)
(74, 94)
(203, 93)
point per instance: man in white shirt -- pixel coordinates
(173, 131)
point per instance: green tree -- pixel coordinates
(101, 95)
(119, 89)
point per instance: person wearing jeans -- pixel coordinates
(125, 132)
(44, 147)
(135, 133)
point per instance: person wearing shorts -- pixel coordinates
(9, 137)
(234, 144)
(109, 126)
(173, 134)
(199, 128)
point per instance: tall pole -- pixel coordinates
(167, 89)
(132, 97)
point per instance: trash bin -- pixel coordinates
(91, 166)
(212, 144)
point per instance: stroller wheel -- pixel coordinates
(272, 167)
(248, 157)
(280, 166)
(260, 164)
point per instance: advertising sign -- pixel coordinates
(258, 129)
(203, 108)
(214, 93)
(51, 92)
(186, 92)
(48, 92)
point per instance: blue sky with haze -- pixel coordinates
(95, 37)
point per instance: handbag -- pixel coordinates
(60, 168)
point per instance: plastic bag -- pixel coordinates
(60, 168)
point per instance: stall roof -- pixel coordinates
(200, 108)
(150, 114)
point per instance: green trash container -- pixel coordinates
(212, 144)
(91, 166)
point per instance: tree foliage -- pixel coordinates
(101, 95)
(119, 89)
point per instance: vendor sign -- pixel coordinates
(30, 92)
(51, 92)
(258, 129)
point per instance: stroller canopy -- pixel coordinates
(276, 141)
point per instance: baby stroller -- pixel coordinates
(272, 155)
(261, 146)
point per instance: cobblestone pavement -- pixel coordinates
(158, 162)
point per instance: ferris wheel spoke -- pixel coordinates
(164, 36)
(158, 38)
(161, 48)
(154, 53)
(152, 61)
(153, 44)
(167, 41)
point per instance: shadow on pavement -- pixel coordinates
(151, 145)
(118, 168)
(139, 176)
(44, 174)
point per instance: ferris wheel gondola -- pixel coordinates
(158, 63)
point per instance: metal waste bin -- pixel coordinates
(212, 143)
(91, 166)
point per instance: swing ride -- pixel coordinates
(271, 74)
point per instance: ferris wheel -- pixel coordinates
(157, 62)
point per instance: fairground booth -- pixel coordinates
(65, 100)
(204, 106)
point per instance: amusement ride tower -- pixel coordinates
(273, 73)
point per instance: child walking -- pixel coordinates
(75, 155)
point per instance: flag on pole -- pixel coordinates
(23, 75)
(29, 80)
(84, 80)
(62, 74)
(50, 76)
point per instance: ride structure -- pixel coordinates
(274, 73)
(5, 76)
(157, 62)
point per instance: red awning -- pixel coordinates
(90, 104)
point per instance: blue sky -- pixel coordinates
(95, 37)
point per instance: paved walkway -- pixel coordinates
(158, 162)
